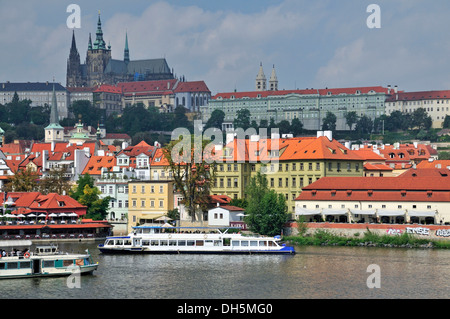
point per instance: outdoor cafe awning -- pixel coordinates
(418, 213)
(384, 212)
(304, 211)
(363, 212)
(335, 212)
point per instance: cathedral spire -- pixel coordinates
(126, 54)
(90, 42)
(73, 47)
(99, 43)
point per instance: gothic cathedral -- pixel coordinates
(100, 68)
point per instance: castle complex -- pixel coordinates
(100, 68)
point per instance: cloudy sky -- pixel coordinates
(313, 44)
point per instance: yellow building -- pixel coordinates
(289, 164)
(149, 200)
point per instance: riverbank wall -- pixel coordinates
(434, 232)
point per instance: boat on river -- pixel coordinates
(190, 240)
(17, 260)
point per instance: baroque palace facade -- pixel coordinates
(268, 102)
(100, 68)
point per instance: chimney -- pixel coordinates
(396, 89)
(389, 89)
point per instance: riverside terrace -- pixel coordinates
(86, 228)
(419, 196)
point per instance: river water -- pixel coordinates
(314, 272)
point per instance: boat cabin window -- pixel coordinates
(25, 264)
(154, 243)
(191, 243)
(145, 243)
(172, 242)
(13, 265)
(253, 243)
(244, 243)
(181, 243)
(262, 243)
(46, 250)
(48, 263)
(235, 243)
(127, 242)
(2, 266)
(119, 242)
(199, 243)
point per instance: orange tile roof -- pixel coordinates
(434, 164)
(298, 148)
(96, 163)
(377, 167)
(159, 159)
(369, 155)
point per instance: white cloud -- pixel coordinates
(221, 47)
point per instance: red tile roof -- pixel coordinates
(109, 89)
(322, 92)
(147, 86)
(419, 95)
(195, 86)
(423, 189)
(37, 202)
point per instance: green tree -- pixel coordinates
(364, 125)
(193, 172)
(87, 194)
(421, 119)
(296, 127)
(18, 111)
(446, 123)
(216, 119)
(329, 122)
(179, 117)
(88, 114)
(55, 182)
(351, 118)
(97, 208)
(266, 210)
(284, 127)
(242, 119)
(24, 180)
(77, 191)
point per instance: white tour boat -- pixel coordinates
(185, 240)
(17, 261)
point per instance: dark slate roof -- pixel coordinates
(155, 66)
(30, 86)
